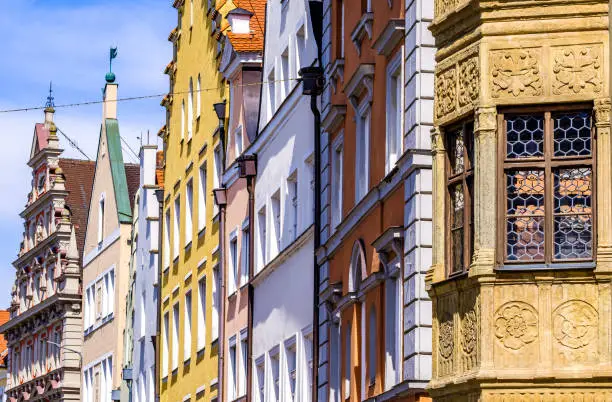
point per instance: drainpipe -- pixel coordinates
(159, 194)
(247, 166)
(313, 83)
(220, 195)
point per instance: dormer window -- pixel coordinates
(240, 20)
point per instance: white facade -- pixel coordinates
(144, 288)
(284, 211)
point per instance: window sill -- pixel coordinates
(202, 232)
(175, 260)
(588, 265)
(175, 372)
(187, 361)
(165, 379)
(188, 246)
(201, 352)
(166, 270)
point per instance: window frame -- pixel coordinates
(547, 163)
(468, 208)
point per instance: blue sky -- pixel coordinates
(67, 42)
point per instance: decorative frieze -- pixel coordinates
(446, 92)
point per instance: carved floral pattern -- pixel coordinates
(577, 70)
(446, 338)
(575, 324)
(469, 332)
(468, 81)
(515, 72)
(446, 92)
(516, 324)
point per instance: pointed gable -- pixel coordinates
(40, 139)
(120, 183)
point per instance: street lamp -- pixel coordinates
(70, 350)
(220, 112)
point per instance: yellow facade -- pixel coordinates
(191, 139)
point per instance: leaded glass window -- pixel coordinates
(548, 169)
(459, 186)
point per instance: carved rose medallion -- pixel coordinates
(575, 323)
(446, 339)
(468, 332)
(516, 324)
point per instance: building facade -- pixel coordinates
(375, 316)
(106, 261)
(283, 276)
(520, 277)
(4, 317)
(44, 331)
(193, 149)
(142, 299)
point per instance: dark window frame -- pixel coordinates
(547, 163)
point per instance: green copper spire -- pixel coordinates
(110, 76)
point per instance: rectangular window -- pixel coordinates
(201, 313)
(189, 213)
(271, 93)
(216, 303)
(275, 371)
(177, 226)
(261, 221)
(244, 351)
(261, 378)
(233, 272)
(291, 362)
(300, 47)
(238, 140)
(165, 357)
(202, 199)
(347, 362)
(337, 178)
(548, 167)
(101, 219)
(285, 72)
(276, 236)
(395, 111)
(308, 349)
(362, 156)
(175, 336)
(232, 374)
(460, 190)
(244, 255)
(292, 199)
(187, 328)
(218, 166)
(167, 239)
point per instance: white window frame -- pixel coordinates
(216, 299)
(232, 282)
(290, 369)
(260, 379)
(182, 120)
(167, 221)
(275, 379)
(238, 140)
(395, 113)
(244, 253)
(175, 335)
(276, 218)
(101, 217)
(201, 314)
(187, 321)
(232, 369)
(244, 361)
(177, 228)
(363, 131)
(202, 202)
(262, 238)
(198, 96)
(189, 210)
(337, 171)
(293, 203)
(190, 109)
(166, 345)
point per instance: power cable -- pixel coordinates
(128, 146)
(73, 143)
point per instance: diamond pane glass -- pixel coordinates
(525, 238)
(456, 153)
(573, 237)
(573, 190)
(525, 192)
(525, 136)
(458, 204)
(572, 134)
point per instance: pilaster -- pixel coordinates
(437, 271)
(604, 185)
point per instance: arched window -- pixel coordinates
(357, 271)
(373, 331)
(190, 110)
(347, 360)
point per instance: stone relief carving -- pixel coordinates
(469, 75)
(446, 92)
(575, 324)
(469, 334)
(515, 72)
(576, 70)
(447, 342)
(516, 324)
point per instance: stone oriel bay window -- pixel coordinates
(546, 198)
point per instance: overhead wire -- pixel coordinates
(73, 143)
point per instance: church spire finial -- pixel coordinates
(50, 99)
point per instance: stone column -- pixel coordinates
(436, 273)
(485, 191)
(604, 185)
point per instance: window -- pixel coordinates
(308, 349)
(291, 362)
(292, 199)
(261, 221)
(190, 13)
(165, 346)
(189, 214)
(238, 140)
(393, 306)
(275, 241)
(202, 199)
(218, 166)
(244, 352)
(341, 26)
(347, 361)
(260, 370)
(300, 48)
(101, 219)
(177, 226)
(274, 368)
(372, 360)
(198, 96)
(182, 120)
(201, 313)
(285, 72)
(232, 367)
(187, 328)
(244, 255)
(271, 93)
(216, 304)
(395, 110)
(233, 272)
(167, 239)
(460, 190)
(190, 110)
(175, 336)
(143, 313)
(548, 164)
(362, 156)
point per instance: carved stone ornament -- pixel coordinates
(575, 324)
(577, 70)
(516, 324)
(469, 334)
(469, 83)
(515, 72)
(446, 338)
(446, 92)
(602, 112)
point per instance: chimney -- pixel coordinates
(240, 20)
(109, 108)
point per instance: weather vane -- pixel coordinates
(110, 76)
(50, 98)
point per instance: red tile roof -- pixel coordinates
(79, 183)
(253, 42)
(132, 176)
(4, 317)
(42, 135)
(159, 169)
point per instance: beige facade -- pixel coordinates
(528, 316)
(106, 260)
